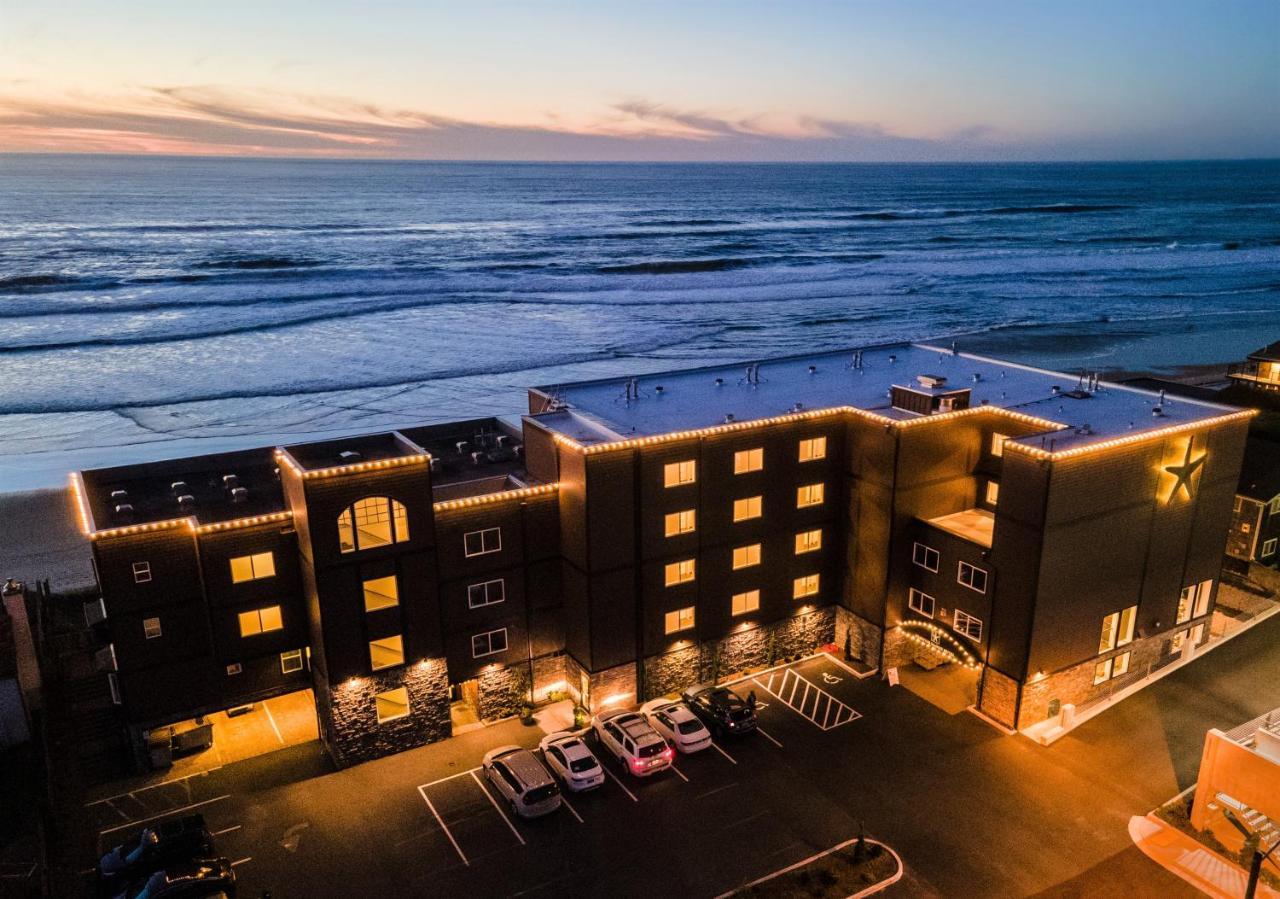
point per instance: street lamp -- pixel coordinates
(1255, 867)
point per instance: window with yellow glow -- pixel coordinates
(680, 572)
(810, 495)
(746, 556)
(372, 522)
(252, 568)
(804, 586)
(1128, 618)
(381, 593)
(392, 704)
(747, 508)
(679, 620)
(1203, 594)
(260, 621)
(677, 523)
(808, 541)
(386, 653)
(813, 448)
(676, 474)
(745, 461)
(1186, 602)
(993, 492)
(746, 602)
(997, 444)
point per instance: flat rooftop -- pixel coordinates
(596, 412)
(352, 451)
(975, 525)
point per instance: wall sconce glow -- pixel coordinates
(956, 652)
(615, 699)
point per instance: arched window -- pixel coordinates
(373, 521)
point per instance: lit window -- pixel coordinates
(804, 586)
(997, 444)
(386, 653)
(392, 704)
(808, 541)
(1197, 634)
(487, 594)
(677, 474)
(814, 448)
(489, 643)
(1275, 505)
(993, 492)
(141, 572)
(252, 568)
(260, 621)
(746, 556)
(478, 543)
(1269, 547)
(381, 593)
(1203, 594)
(972, 577)
(746, 602)
(747, 508)
(373, 521)
(1127, 619)
(1186, 603)
(921, 602)
(1113, 667)
(679, 620)
(748, 460)
(291, 661)
(1120, 664)
(681, 522)
(151, 628)
(968, 625)
(1108, 639)
(810, 495)
(925, 556)
(680, 572)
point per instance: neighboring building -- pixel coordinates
(629, 537)
(1255, 523)
(1260, 370)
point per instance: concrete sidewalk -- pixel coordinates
(1195, 863)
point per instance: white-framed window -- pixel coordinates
(968, 625)
(1203, 593)
(810, 495)
(1117, 628)
(141, 572)
(972, 577)
(291, 661)
(1186, 604)
(997, 444)
(748, 507)
(683, 522)
(812, 449)
(1128, 619)
(260, 621)
(489, 643)
(392, 704)
(151, 628)
(386, 652)
(677, 474)
(992, 495)
(925, 556)
(381, 593)
(1196, 634)
(478, 543)
(921, 602)
(805, 585)
(1112, 667)
(234, 668)
(680, 572)
(808, 541)
(372, 522)
(1275, 505)
(253, 568)
(487, 594)
(746, 556)
(748, 601)
(745, 461)
(1269, 547)
(679, 620)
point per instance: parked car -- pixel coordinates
(202, 878)
(569, 757)
(632, 742)
(721, 709)
(525, 782)
(677, 724)
(175, 840)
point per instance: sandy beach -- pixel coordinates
(40, 539)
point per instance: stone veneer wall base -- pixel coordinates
(350, 717)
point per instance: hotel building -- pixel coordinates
(1051, 534)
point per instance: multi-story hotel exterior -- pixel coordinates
(629, 537)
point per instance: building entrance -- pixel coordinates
(463, 700)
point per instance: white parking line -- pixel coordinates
(272, 718)
(234, 827)
(174, 811)
(679, 772)
(776, 685)
(116, 809)
(614, 778)
(723, 753)
(571, 809)
(449, 777)
(422, 789)
(241, 861)
(496, 807)
(163, 783)
(762, 732)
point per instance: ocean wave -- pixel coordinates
(33, 283)
(256, 263)
(677, 266)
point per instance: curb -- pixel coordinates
(869, 891)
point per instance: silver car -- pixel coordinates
(523, 781)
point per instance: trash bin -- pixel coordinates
(160, 747)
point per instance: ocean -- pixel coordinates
(155, 307)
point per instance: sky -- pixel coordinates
(900, 80)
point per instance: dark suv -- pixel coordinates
(721, 710)
(166, 843)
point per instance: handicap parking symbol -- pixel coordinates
(830, 678)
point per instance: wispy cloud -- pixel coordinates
(214, 120)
